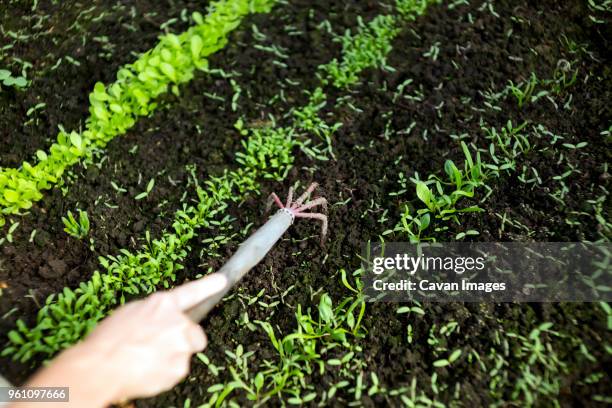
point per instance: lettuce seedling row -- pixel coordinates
(423, 121)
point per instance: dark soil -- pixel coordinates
(99, 36)
(474, 56)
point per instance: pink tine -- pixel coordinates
(277, 200)
(317, 201)
(289, 197)
(308, 191)
(317, 216)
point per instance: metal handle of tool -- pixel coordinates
(250, 253)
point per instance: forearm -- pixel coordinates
(84, 371)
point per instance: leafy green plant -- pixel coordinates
(536, 363)
(308, 120)
(356, 305)
(411, 9)
(371, 45)
(268, 150)
(366, 49)
(300, 353)
(441, 197)
(413, 225)
(524, 92)
(506, 145)
(439, 201)
(77, 229)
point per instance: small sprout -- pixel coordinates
(467, 233)
(409, 334)
(523, 92)
(9, 234)
(7, 79)
(148, 191)
(35, 108)
(454, 356)
(408, 309)
(77, 229)
(118, 188)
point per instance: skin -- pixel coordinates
(142, 349)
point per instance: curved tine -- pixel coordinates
(317, 216)
(317, 201)
(289, 197)
(305, 195)
(273, 198)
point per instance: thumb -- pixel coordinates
(190, 294)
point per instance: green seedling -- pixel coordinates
(454, 356)
(433, 52)
(146, 193)
(300, 354)
(9, 233)
(539, 365)
(307, 119)
(442, 204)
(356, 303)
(563, 77)
(366, 49)
(441, 201)
(410, 309)
(268, 150)
(77, 229)
(7, 79)
(409, 10)
(511, 142)
(413, 225)
(36, 108)
(601, 6)
(524, 92)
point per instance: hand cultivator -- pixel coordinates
(254, 249)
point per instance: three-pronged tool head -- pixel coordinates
(298, 207)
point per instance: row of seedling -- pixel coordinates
(115, 108)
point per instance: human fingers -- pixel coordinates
(192, 293)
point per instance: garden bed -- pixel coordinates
(445, 80)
